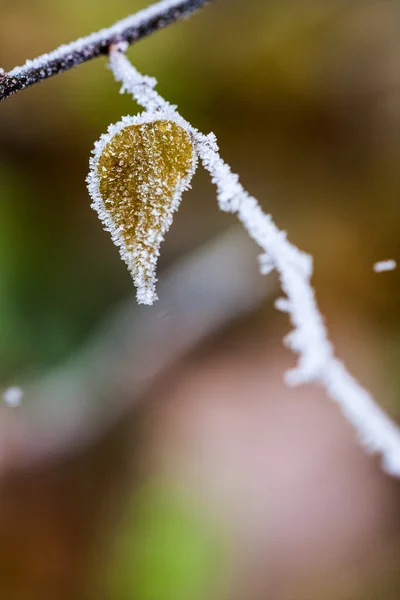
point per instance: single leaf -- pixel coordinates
(138, 174)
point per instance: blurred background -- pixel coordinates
(158, 454)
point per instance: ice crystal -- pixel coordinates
(385, 265)
(138, 173)
(13, 396)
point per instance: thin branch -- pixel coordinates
(129, 30)
(309, 339)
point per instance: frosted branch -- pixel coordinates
(129, 30)
(141, 87)
(317, 361)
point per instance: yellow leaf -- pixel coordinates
(139, 171)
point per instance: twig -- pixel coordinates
(129, 30)
(317, 360)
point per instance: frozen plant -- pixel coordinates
(317, 361)
(140, 169)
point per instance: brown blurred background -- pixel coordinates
(158, 454)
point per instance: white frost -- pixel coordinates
(309, 339)
(66, 52)
(385, 265)
(13, 396)
(317, 361)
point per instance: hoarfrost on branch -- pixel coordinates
(317, 361)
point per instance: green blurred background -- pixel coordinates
(220, 483)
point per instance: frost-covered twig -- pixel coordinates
(129, 30)
(317, 361)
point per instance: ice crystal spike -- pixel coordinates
(138, 173)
